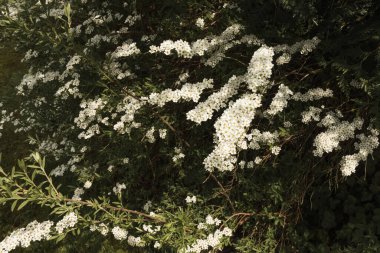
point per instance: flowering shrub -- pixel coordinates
(169, 136)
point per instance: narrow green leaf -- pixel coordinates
(23, 204)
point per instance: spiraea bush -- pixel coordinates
(187, 126)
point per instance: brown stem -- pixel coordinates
(120, 209)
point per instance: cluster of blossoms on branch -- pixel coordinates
(36, 231)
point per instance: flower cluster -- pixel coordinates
(150, 135)
(204, 110)
(199, 47)
(128, 107)
(231, 129)
(365, 147)
(87, 115)
(151, 229)
(188, 92)
(127, 49)
(118, 188)
(280, 100)
(260, 69)
(119, 233)
(336, 132)
(312, 94)
(77, 194)
(34, 231)
(178, 155)
(212, 241)
(209, 222)
(190, 200)
(312, 113)
(102, 228)
(200, 22)
(256, 139)
(135, 241)
(304, 47)
(68, 221)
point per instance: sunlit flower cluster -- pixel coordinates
(211, 241)
(23, 237)
(365, 147)
(188, 92)
(337, 132)
(260, 69)
(231, 129)
(204, 110)
(119, 233)
(312, 94)
(280, 100)
(311, 114)
(68, 221)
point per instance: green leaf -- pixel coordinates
(60, 237)
(23, 204)
(14, 205)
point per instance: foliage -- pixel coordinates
(197, 125)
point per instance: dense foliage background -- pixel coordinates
(293, 202)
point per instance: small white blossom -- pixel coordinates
(77, 194)
(178, 155)
(200, 23)
(119, 233)
(162, 133)
(190, 200)
(87, 185)
(147, 206)
(157, 245)
(276, 150)
(118, 188)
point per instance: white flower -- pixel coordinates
(276, 150)
(312, 94)
(211, 221)
(119, 233)
(231, 129)
(260, 68)
(178, 155)
(103, 229)
(211, 241)
(127, 49)
(162, 133)
(258, 160)
(200, 23)
(192, 199)
(23, 237)
(150, 135)
(313, 113)
(135, 241)
(77, 194)
(157, 245)
(280, 101)
(87, 185)
(201, 226)
(188, 92)
(204, 110)
(147, 206)
(68, 221)
(365, 147)
(336, 132)
(118, 188)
